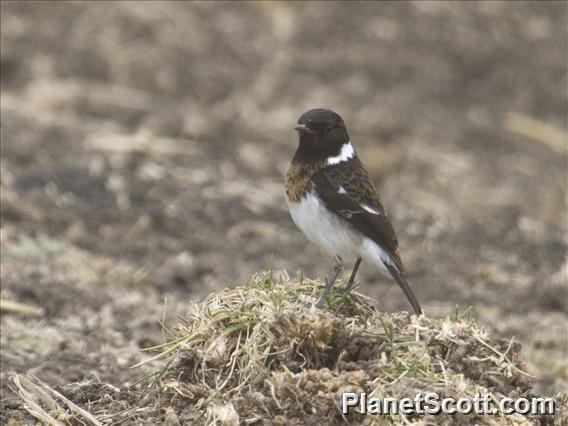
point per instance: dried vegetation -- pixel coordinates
(262, 353)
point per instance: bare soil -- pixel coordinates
(143, 148)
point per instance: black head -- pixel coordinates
(322, 134)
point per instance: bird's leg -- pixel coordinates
(337, 267)
(352, 277)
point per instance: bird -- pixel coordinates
(333, 201)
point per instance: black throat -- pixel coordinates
(310, 151)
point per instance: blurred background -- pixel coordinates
(144, 147)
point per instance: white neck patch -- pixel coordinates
(347, 153)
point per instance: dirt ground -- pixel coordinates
(143, 148)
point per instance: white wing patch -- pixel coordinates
(341, 190)
(369, 209)
(347, 153)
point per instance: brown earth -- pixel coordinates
(144, 146)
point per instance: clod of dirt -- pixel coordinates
(263, 353)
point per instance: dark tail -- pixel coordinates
(406, 288)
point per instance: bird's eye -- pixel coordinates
(328, 129)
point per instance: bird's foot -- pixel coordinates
(322, 301)
(347, 290)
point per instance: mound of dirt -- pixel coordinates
(262, 352)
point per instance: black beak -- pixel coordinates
(302, 128)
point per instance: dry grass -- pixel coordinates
(263, 352)
(49, 406)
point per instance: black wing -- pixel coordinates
(350, 194)
(341, 196)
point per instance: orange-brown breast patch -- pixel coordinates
(298, 179)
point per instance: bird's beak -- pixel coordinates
(302, 128)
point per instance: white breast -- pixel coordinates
(324, 228)
(334, 235)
